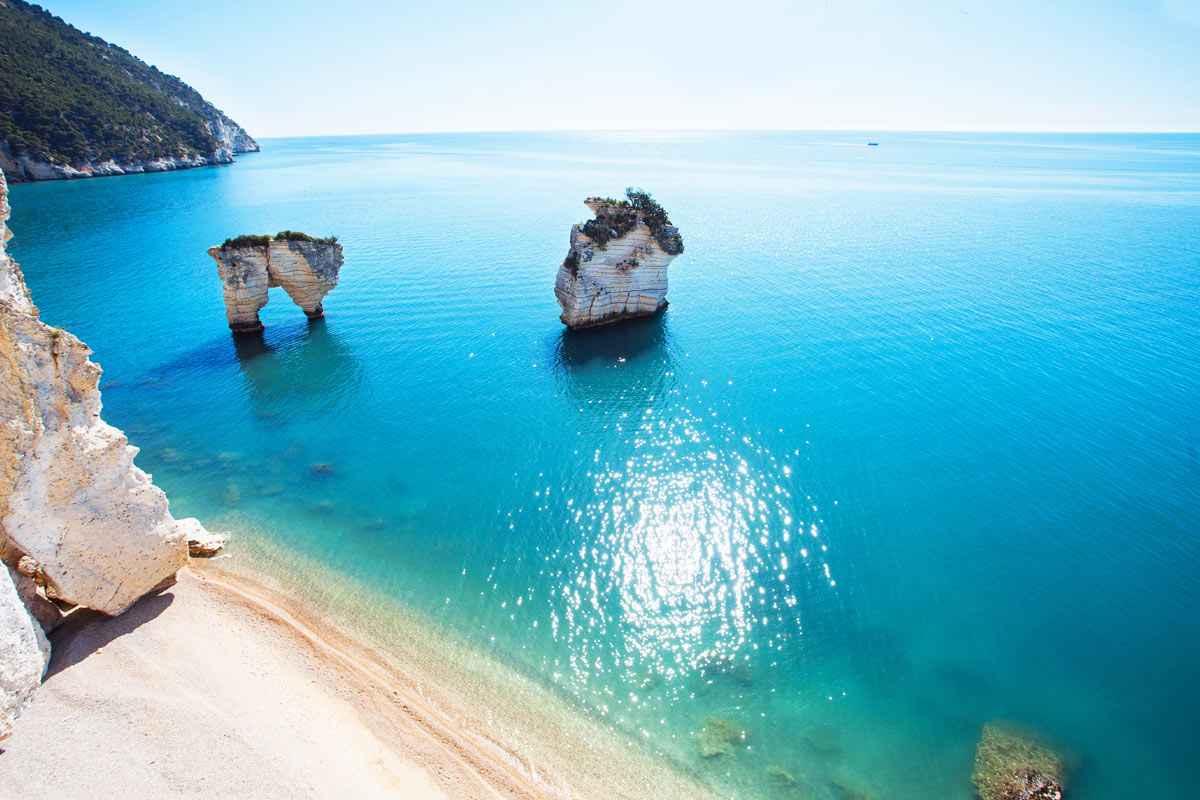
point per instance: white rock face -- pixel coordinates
(70, 494)
(626, 278)
(79, 522)
(202, 543)
(24, 654)
(307, 271)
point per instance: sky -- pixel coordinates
(321, 67)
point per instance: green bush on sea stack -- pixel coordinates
(250, 240)
(615, 218)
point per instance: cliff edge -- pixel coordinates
(80, 524)
(617, 265)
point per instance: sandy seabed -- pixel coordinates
(220, 687)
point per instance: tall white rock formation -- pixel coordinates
(306, 268)
(617, 265)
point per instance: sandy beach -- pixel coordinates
(221, 686)
(203, 688)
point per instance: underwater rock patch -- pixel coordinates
(780, 776)
(1013, 763)
(720, 736)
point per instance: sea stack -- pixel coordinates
(80, 524)
(305, 267)
(617, 266)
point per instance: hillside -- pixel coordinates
(73, 105)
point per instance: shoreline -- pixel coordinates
(354, 661)
(478, 699)
(21, 169)
(409, 733)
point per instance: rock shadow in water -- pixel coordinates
(297, 370)
(628, 358)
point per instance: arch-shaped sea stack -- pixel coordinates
(617, 266)
(305, 267)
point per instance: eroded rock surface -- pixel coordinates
(24, 653)
(1012, 763)
(202, 543)
(617, 265)
(80, 524)
(306, 268)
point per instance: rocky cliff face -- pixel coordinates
(306, 268)
(24, 167)
(617, 265)
(80, 524)
(229, 135)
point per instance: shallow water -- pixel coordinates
(914, 446)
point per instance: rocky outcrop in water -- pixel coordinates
(617, 265)
(80, 524)
(202, 543)
(1012, 763)
(305, 267)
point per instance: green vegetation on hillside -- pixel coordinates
(69, 97)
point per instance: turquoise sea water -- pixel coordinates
(915, 445)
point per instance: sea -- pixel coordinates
(914, 447)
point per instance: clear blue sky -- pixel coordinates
(304, 67)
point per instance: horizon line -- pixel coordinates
(734, 130)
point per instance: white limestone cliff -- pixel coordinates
(24, 167)
(24, 654)
(80, 524)
(306, 268)
(617, 265)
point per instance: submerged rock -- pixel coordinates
(232, 494)
(305, 267)
(735, 669)
(845, 791)
(1012, 763)
(780, 776)
(823, 741)
(617, 265)
(719, 736)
